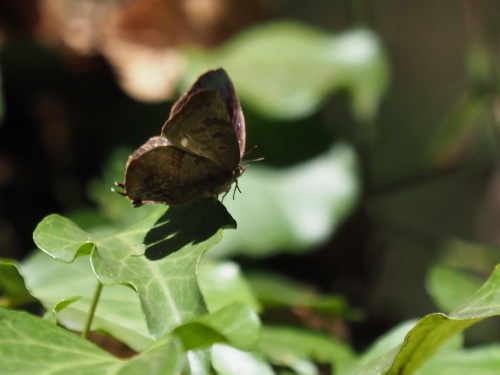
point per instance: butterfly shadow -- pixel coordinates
(187, 224)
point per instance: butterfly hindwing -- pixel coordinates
(167, 174)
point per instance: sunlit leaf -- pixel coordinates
(291, 209)
(118, 313)
(222, 284)
(55, 350)
(236, 324)
(227, 360)
(309, 66)
(158, 257)
(49, 350)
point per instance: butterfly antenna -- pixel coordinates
(249, 152)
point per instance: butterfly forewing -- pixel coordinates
(204, 128)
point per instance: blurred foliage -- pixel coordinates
(309, 66)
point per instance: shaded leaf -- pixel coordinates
(299, 349)
(275, 290)
(452, 139)
(12, 285)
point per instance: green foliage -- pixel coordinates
(174, 345)
(310, 65)
(12, 285)
(294, 209)
(184, 310)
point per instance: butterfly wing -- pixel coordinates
(161, 173)
(209, 115)
(203, 128)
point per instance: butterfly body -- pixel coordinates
(199, 151)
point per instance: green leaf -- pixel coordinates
(432, 331)
(164, 357)
(158, 257)
(51, 314)
(275, 290)
(236, 325)
(309, 66)
(62, 239)
(462, 268)
(227, 360)
(300, 350)
(118, 312)
(222, 284)
(482, 360)
(386, 344)
(292, 209)
(12, 285)
(30, 345)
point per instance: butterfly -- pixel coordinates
(199, 151)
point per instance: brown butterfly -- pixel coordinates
(199, 151)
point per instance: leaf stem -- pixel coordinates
(93, 306)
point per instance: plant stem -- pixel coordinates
(93, 306)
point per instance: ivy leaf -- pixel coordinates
(223, 283)
(12, 285)
(236, 325)
(432, 331)
(62, 239)
(227, 360)
(51, 314)
(54, 350)
(158, 257)
(49, 350)
(118, 312)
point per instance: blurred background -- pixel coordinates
(378, 122)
